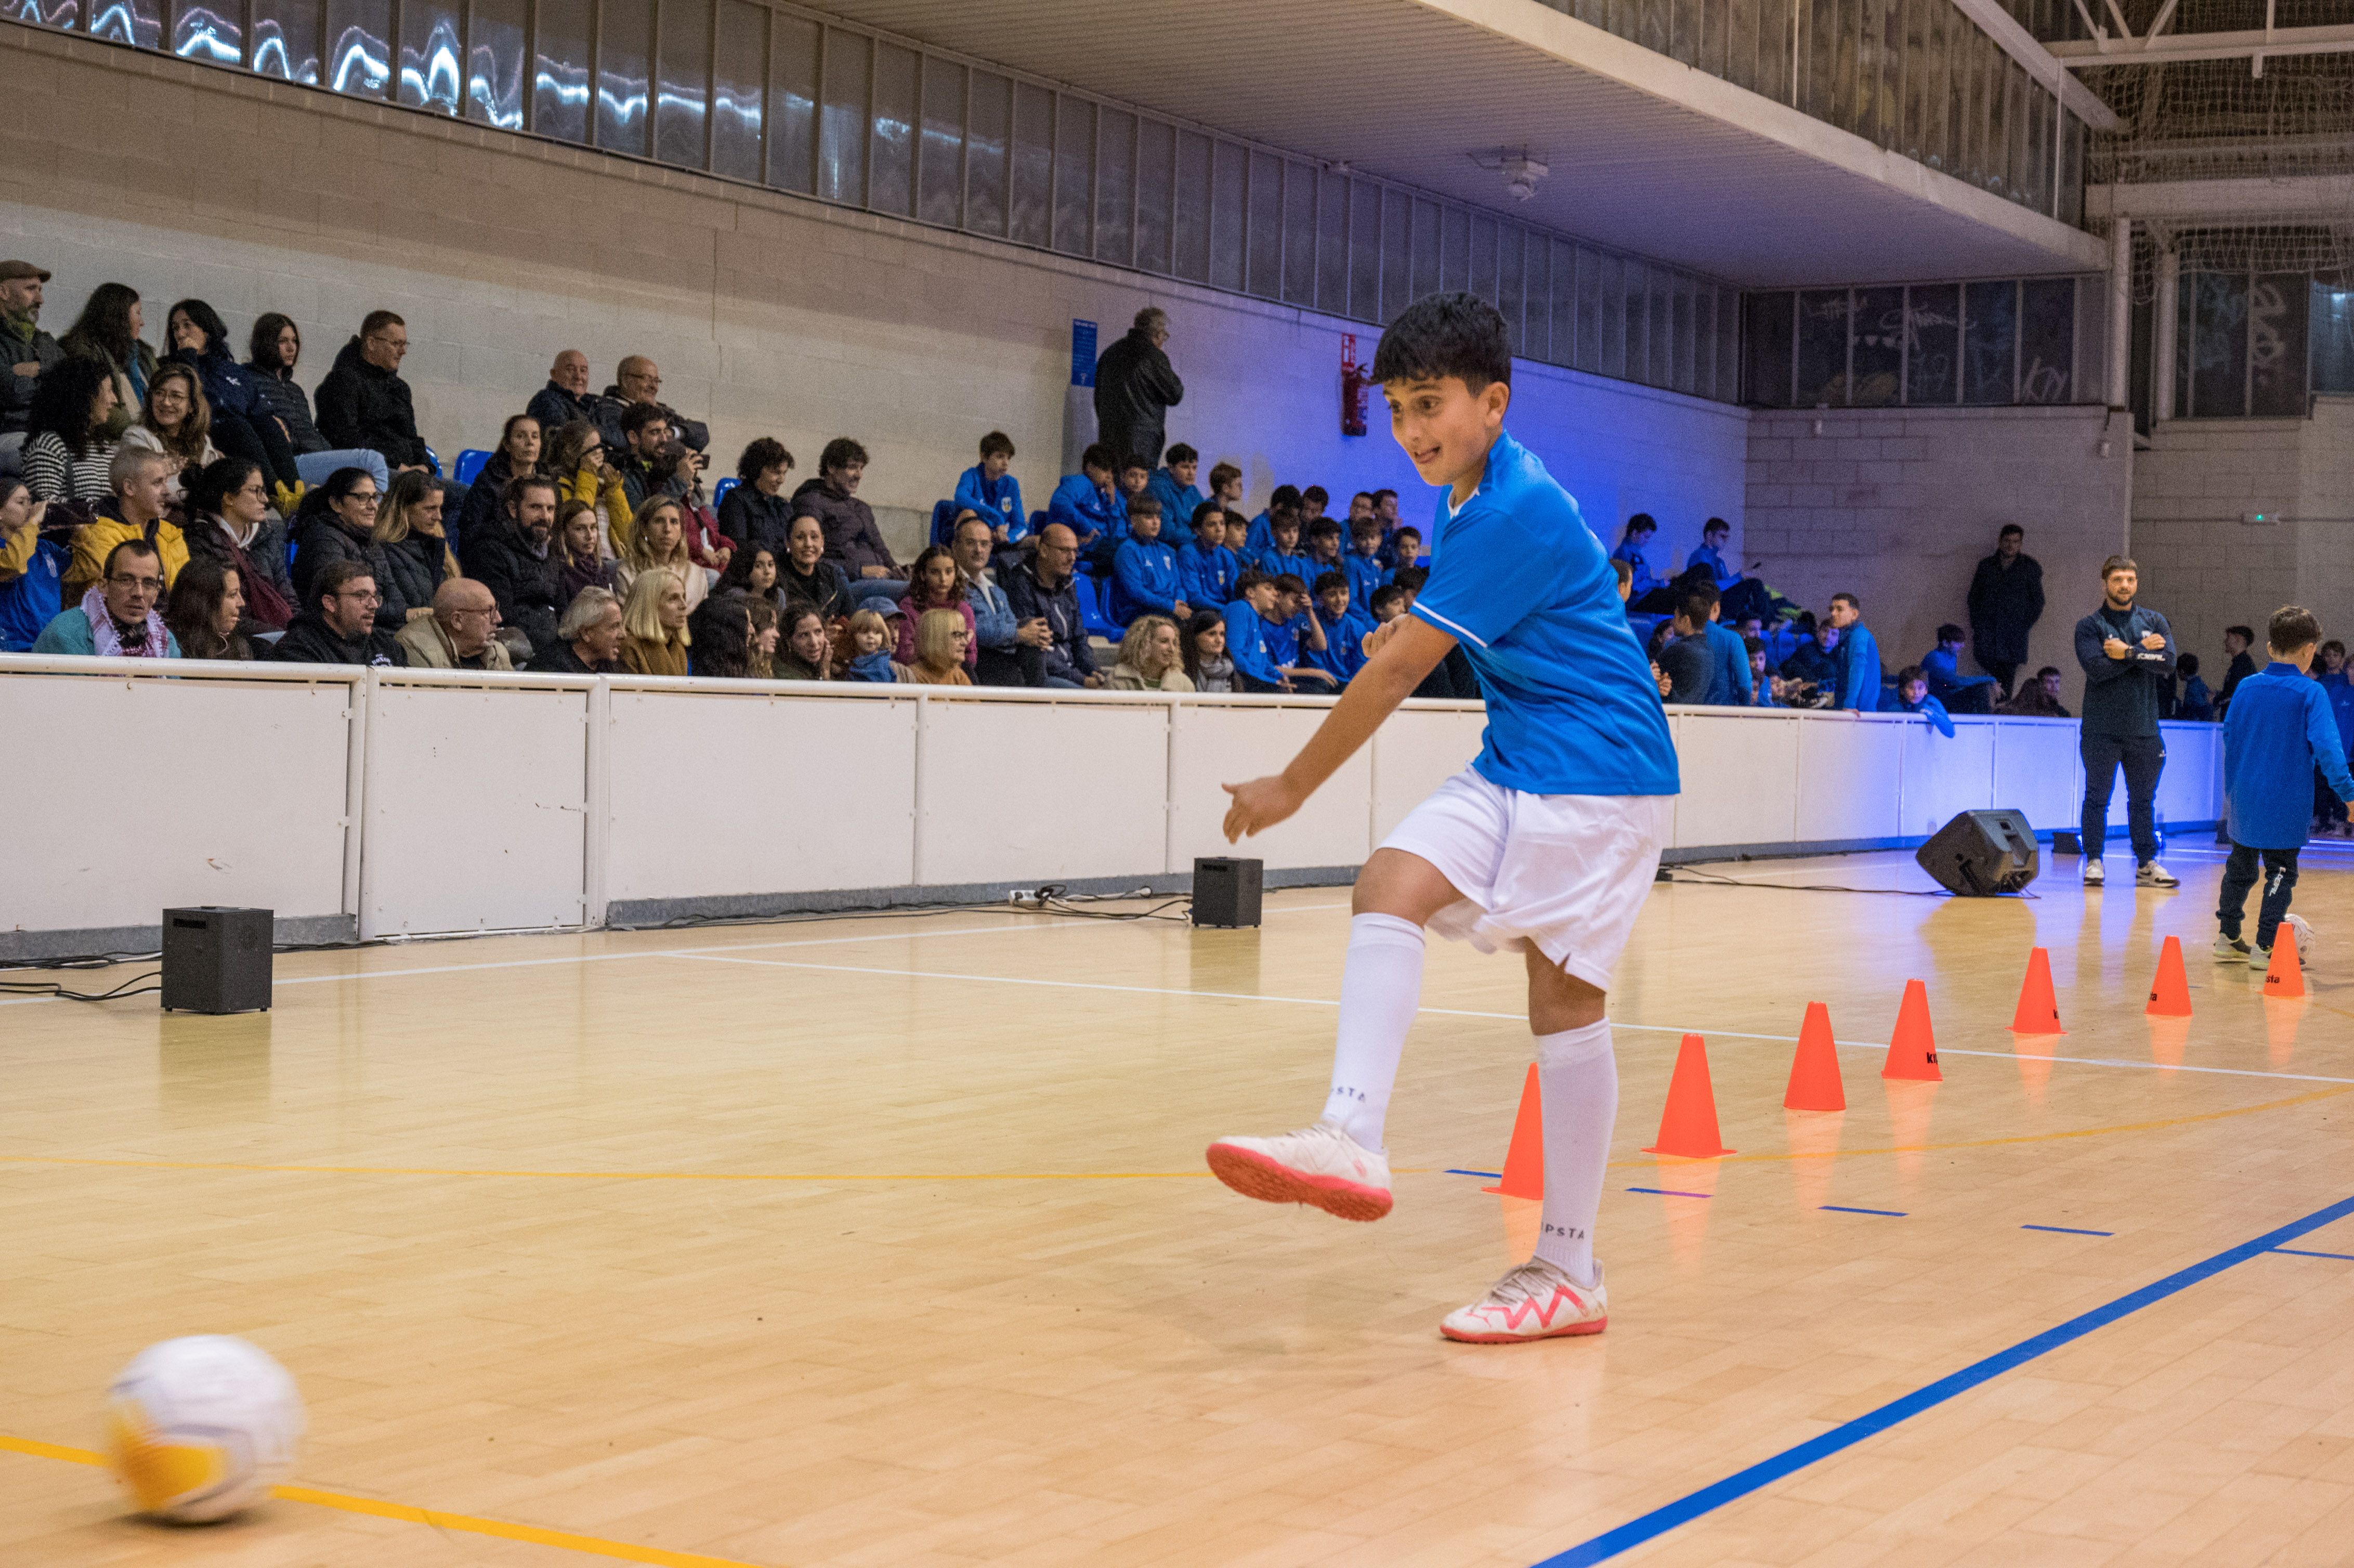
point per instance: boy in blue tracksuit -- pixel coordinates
(990, 487)
(1710, 552)
(1728, 655)
(1912, 697)
(1088, 502)
(1858, 656)
(1363, 563)
(1144, 571)
(1249, 618)
(1546, 845)
(1284, 502)
(1173, 485)
(1293, 636)
(1207, 570)
(1345, 629)
(1283, 552)
(2278, 730)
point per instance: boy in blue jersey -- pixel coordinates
(1207, 570)
(1345, 629)
(1293, 634)
(1144, 572)
(990, 487)
(1088, 503)
(1252, 621)
(2276, 731)
(1363, 563)
(1173, 485)
(1547, 843)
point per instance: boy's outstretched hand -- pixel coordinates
(1258, 805)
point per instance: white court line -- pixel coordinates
(1066, 923)
(1462, 1013)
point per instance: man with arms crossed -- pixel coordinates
(1547, 843)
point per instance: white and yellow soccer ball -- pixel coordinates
(202, 1428)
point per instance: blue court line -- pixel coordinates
(2067, 1230)
(2300, 1252)
(1670, 1192)
(1838, 1209)
(1765, 1473)
(1491, 1175)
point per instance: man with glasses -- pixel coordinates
(142, 478)
(458, 635)
(1041, 589)
(117, 617)
(365, 403)
(638, 379)
(337, 625)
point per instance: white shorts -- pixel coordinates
(1568, 873)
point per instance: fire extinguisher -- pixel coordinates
(1353, 387)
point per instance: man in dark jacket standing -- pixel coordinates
(2006, 601)
(338, 626)
(852, 541)
(25, 351)
(1040, 589)
(2127, 654)
(513, 560)
(1135, 388)
(365, 403)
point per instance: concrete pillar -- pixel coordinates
(2120, 311)
(2167, 308)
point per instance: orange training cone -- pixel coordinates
(1688, 1125)
(1814, 1072)
(2285, 978)
(1913, 1050)
(1524, 1161)
(2170, 991)
(2039, 1009)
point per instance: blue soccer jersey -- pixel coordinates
(1520, 580)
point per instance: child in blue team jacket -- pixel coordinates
(2278, 730)
(1912, 697)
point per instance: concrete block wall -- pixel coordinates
(1898, 505)
(768, 314)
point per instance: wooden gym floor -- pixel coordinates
(887, 1242)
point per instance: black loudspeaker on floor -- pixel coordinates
(1226, 892)
(1981, 854)
(217, 960)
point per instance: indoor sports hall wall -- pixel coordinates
(394, 802)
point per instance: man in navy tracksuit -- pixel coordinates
(2127, 654)
(2278, 730)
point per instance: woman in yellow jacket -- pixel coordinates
(142, 480)
(577, 460)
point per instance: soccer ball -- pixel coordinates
(199, 1428)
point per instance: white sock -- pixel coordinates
(1381, 987)
(1578, 1075)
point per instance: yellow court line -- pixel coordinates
(1996, 1142)
(345, 1502)
(623, 1175)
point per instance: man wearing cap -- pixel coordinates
(25, 351)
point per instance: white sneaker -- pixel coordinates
(2094, 875)
(2230, 950)
(2152, 873)
(1534, 1301)
(1321, 1166)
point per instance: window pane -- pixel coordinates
(1876, 358)
(1397, 252)
(842, 117)
(1933, 346)
(1587, 355)
(1728, 346)
(1227, 176)
(1771, 321)
(359, 46)
(736, 89)
(1192, 236)
(1610, 341)
(208, 30)
(1033, 165)
(1075, 176)
(794, 44)
(1427, 249)
(1455, 249)
(1364, 250)
(1684, 30)
(1299, 233)
(2276, 332)
(1482, 277)
(1156, 156)
(1990, 342)
(1740, 47)
(559, 69)
(494, 64)
(1567, 267)
(984, 154)
(1933, 75)
(286, 39)
(625, 31)
(890, 159)
(1822, 348)
(682, 83)
(1115, 186)
(1702, 338)
(140, 22)
(1681, 339)
(1333, 244)
(2047, 340)
(2333, 335)
(939, 164)
(429, 55)
(1636, 284)
(1509, 237)
(1664, 338)
(1264, 246)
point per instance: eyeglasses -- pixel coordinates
(397, 345)
(357, 596)
(364, 497)
(151, 585)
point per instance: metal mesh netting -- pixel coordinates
(2221, 120)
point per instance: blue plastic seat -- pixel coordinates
(1095, 608)
(470, 463)
(943, 513)
(433, 461)
(720, 494)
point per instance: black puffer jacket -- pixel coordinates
(363, 406)
(320, 537)
(749, 517)
(528, 583)
(414, 566)
(290, 405)
(852, 541)
(310, 640)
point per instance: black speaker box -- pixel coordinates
(217, 960)
(1980, 854)
(1226, 892)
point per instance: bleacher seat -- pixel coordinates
(470, 463)
(720, 494)
(433, 461)
(1094, 606)
(943, 513)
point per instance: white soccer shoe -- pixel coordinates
(1534, 1301)
(1321, 1166)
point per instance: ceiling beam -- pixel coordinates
(2197, 201)
(2255, 44)
(2042, 63)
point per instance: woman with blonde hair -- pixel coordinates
(657, 542)
(654, 625)
(1152, 658)
(416, 547)
(942, 638)
(574, 455)
(177, 421)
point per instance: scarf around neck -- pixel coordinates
(107, 641)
